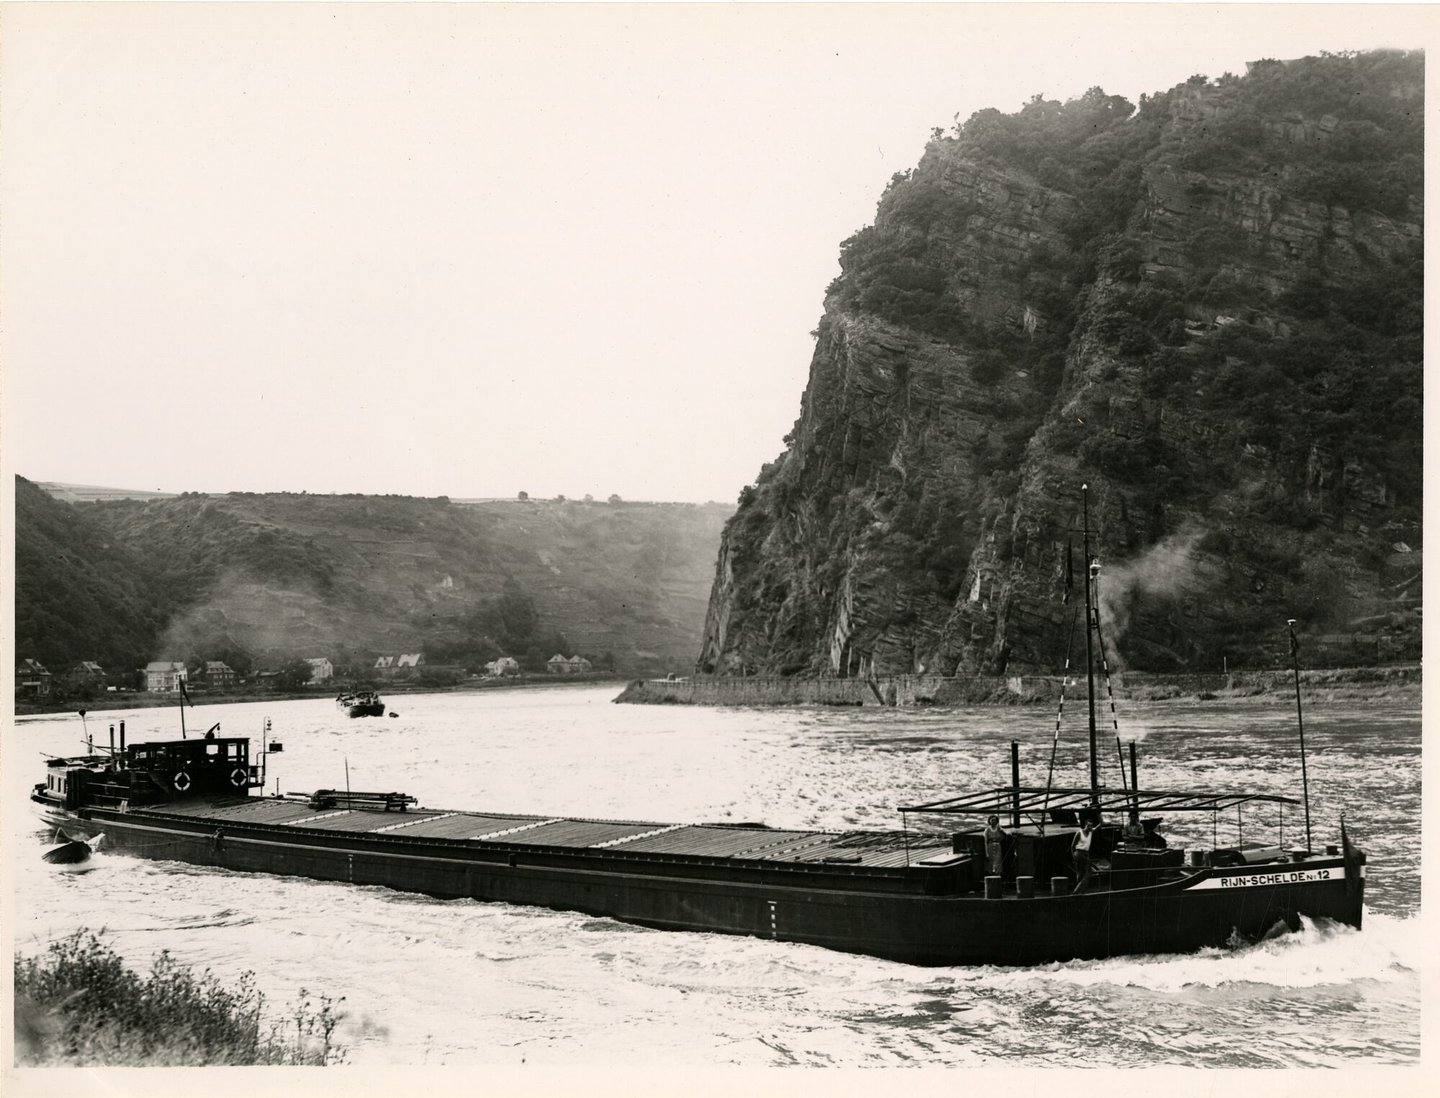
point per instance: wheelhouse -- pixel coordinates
(210, 765)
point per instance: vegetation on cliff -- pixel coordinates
(1208, 307)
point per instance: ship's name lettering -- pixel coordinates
(1294, 877)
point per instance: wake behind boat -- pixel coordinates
(1066, 880)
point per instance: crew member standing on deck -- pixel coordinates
(1134, 831)
(994, 845)
(1080, 854)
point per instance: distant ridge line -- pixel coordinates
(88, 493)
(72, 493)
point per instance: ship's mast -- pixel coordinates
(1300, 721)
(1090, 569)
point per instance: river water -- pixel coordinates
(468, 983)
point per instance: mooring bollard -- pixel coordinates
(992, 888)
(1025, 887)
(1059, 885)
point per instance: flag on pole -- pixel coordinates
(184, 697)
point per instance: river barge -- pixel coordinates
(941, 893)
(364, 703)
(918, 898)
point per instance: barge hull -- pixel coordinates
(888, 915)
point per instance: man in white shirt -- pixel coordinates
(1080, 854)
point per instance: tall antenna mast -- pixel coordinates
(1090, 570)
(1300, 720)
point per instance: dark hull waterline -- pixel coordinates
(909, 913)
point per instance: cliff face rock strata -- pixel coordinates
(1209, 310)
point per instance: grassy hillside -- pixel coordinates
(80, 594)
(261, 578)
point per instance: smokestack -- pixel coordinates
(122, 739)
(112, 741)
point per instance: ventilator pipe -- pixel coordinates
(1015, 781)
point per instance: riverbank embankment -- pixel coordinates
(918, 690)
(143, 699)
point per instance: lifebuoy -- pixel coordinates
(181, 781)
(238, 778)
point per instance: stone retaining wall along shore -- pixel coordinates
(885, 690)
(907, 690)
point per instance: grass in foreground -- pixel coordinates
(78, 1005)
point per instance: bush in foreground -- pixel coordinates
(78, 1005)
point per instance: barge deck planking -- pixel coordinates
(719, 842)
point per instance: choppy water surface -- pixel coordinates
(461, 982)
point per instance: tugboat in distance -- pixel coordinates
(362, 703)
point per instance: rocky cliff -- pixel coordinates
(1209, 309)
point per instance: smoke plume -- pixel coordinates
(1167, 568)
(264, 619)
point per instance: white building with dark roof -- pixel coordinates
(164, 676)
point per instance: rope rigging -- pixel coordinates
(1060, 713)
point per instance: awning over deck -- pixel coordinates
(1003, 800)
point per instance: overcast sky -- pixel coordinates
(470, 250)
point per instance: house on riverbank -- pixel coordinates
(219, 675)
(86, 673)
(401, 666)
(504, 667)
(31, 679)
(164, 676)
(559, 665)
